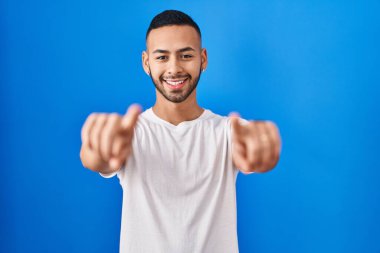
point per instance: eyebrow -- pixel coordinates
(162, 51)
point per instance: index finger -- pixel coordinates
(86, 128)
(129, 119)
(235, 122)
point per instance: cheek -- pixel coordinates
(194, 69)
(194, 73)
(156, 71)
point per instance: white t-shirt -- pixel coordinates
(179, 192)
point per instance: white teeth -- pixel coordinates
(174, 83)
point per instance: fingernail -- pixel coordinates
(234, 114)
(138, 106)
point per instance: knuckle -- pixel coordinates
(101, 117)
(92, 115)
(114, 116)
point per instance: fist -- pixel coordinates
(256, 145)
(107, 139)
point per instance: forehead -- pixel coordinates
(173, 37)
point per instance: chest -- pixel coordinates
(179, 162)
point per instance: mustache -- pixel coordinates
(175, 77)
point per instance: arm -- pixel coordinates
(256, 145)
(107, 140)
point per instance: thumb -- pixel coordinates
(130, 117)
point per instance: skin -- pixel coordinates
(174, 54)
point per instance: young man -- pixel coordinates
(177, 162)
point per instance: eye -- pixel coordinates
(161, 58)
(187, 56)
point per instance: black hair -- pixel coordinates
(172, 17)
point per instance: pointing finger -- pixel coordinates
(108, 134)
(267, 144)
(234, 117)
(238, 126)
(86, 129)
(275, 137)
(256, 145)
(235, 124)
(130, 118)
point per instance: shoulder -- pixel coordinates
(215, 120)
(146, 118)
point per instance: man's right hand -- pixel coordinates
(107, 139)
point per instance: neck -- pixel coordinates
(176, 113)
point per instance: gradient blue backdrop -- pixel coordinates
(310, 66)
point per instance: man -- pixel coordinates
(177, 162)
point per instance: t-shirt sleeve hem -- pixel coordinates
(108, 175)
(246, 173)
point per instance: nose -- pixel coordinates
(174, 66)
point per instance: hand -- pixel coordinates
(107, 139)
(256, 145)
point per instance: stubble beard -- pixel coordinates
(176, 96)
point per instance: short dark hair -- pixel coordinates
(172, 17)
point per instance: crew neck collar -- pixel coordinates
(151, 115)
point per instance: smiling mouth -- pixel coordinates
(175, 84)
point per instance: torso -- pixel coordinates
(179, 187)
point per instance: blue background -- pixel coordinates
(310, 66)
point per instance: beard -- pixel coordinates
(176, 96)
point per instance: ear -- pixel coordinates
(204, 59)
(145, 62)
